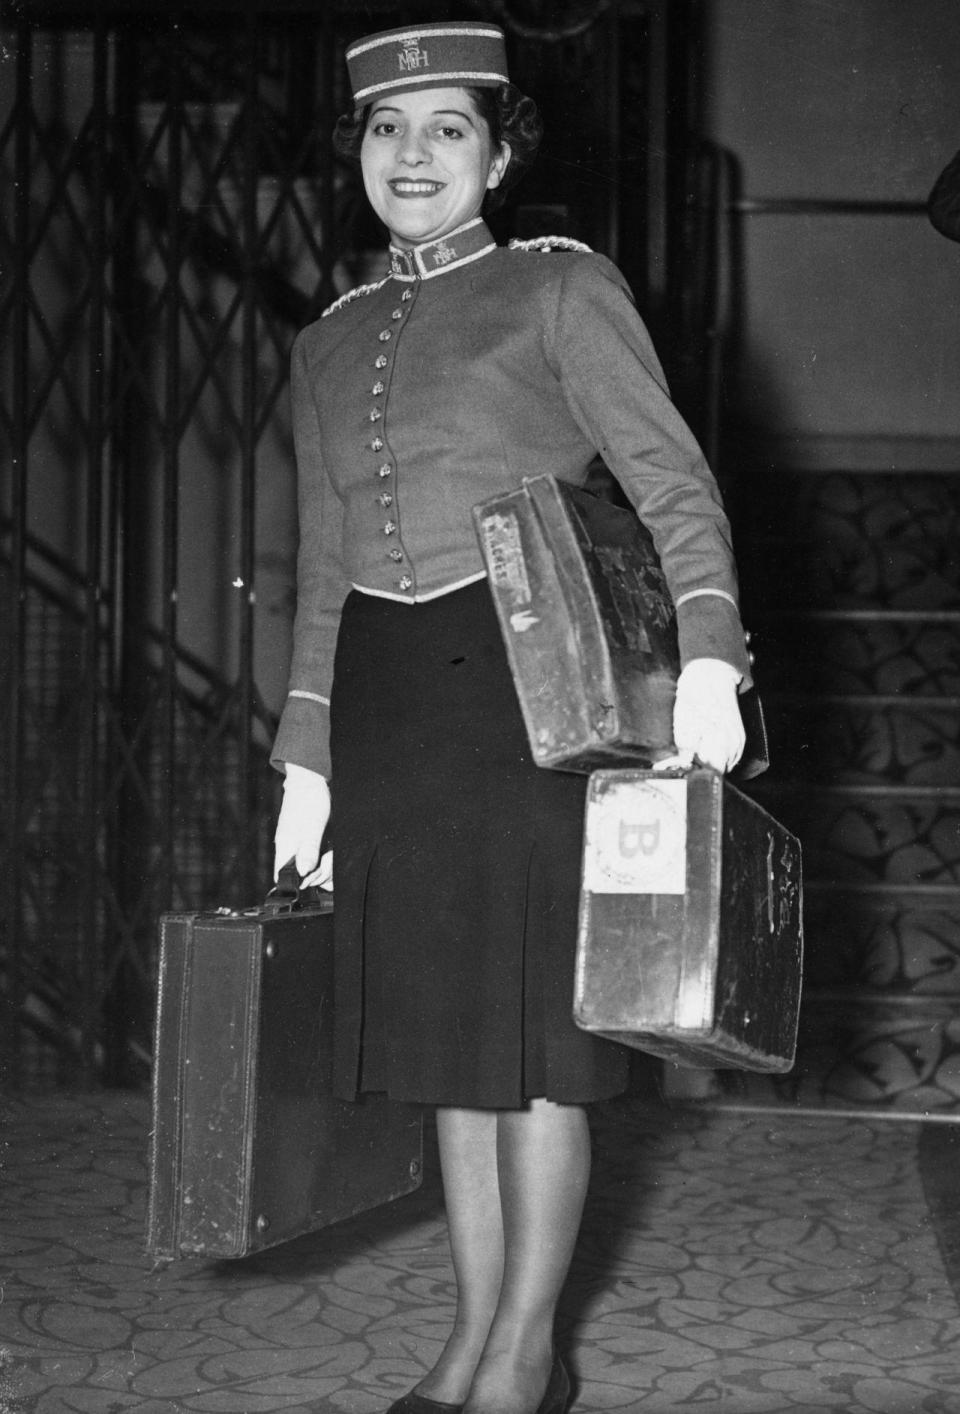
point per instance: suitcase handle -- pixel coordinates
(286, 896)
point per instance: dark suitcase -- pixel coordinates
(690, 941)
(248, 1147)
(589, 628)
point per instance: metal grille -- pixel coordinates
(169, 233)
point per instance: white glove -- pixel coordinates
(707, 725)
(302, 820)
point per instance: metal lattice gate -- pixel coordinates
(171, 216)
(167, 236)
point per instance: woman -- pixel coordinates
(457, 860)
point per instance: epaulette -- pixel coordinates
(353, 294)
(545, 244)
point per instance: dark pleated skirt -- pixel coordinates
(457, 866)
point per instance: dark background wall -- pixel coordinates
(849, 324)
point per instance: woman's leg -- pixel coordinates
(543, 1157)
(514, 1185)
(468, 1160)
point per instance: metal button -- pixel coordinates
(384, 336)
(390, 528)
(380, 361)
(377, 444)
(395, 555)
(407, 294)
(384, 470)
(385, 500)
(397, 314)
(405, 582)
(377, 388)
(375, 414)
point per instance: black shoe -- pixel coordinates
(414, 1403)
(557, 1393)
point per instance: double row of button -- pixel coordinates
(385, 468)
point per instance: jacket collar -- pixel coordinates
(458, 247)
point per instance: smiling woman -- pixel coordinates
(428, 161)
(466, 369)
(511, 117)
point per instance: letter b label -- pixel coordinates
(635, 840)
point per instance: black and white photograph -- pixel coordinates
(479, 707)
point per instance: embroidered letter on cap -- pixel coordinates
(411, 56)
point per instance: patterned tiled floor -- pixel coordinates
(730, 1263)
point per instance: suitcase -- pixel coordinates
(589, 628)
(248, 1146)
(690, 939)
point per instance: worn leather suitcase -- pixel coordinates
(248, 1146)
(589, 628)
(690, 939)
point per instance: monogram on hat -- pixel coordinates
(429, 56)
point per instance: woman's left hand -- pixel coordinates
(707, 726)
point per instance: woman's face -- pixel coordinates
(427, 160)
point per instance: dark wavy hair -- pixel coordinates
(510, 116)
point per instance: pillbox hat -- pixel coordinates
(446, 54)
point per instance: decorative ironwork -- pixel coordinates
(910, 838)
(868, 1053)
(880, 652)
(888, 943)
(174, 223)
(846, 541)
(853, 585)
(858, 739)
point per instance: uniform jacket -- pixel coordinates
(469, 368)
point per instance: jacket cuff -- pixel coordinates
(303, 736)
(708, 626)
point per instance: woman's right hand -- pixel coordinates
(300, 825)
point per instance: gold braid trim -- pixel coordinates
(353, 294)
(543, 245)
